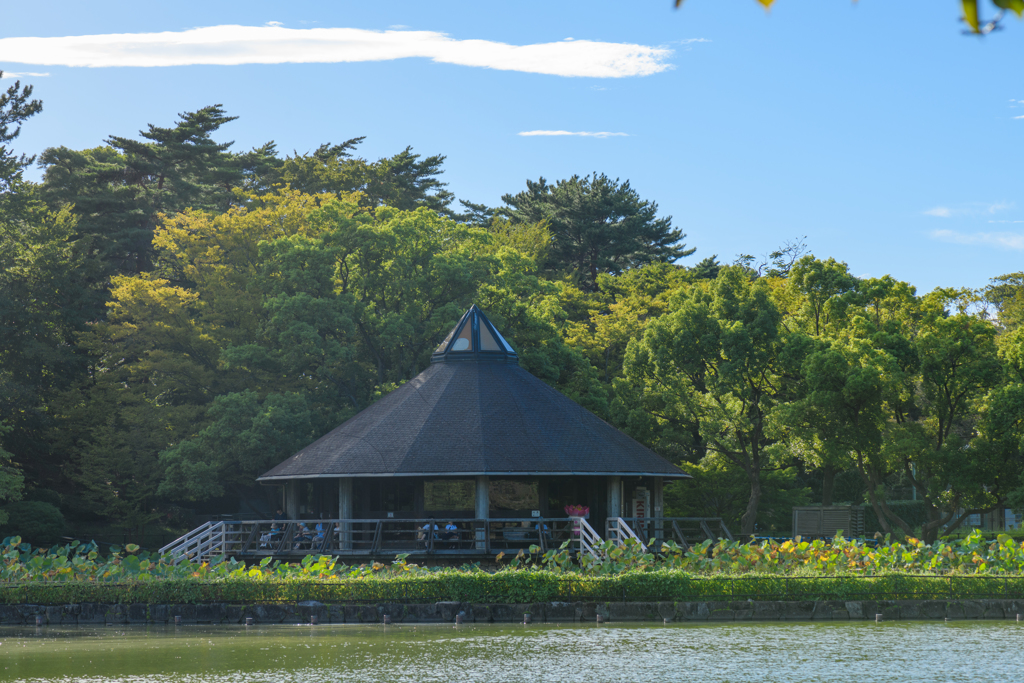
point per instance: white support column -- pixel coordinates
(483, 508)
(614, 496)
(345, 512)
(291, 499)
(658, 503)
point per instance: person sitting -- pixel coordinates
(428, 534)
(321, 534)
(451, 531)
(303, 536)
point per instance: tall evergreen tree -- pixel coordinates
(598, 225)
(119, 190)
(15, 107)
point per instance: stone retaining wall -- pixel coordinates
(551, 612)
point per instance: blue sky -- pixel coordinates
(876, 129)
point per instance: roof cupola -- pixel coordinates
(474, 338)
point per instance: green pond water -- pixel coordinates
(790, 652)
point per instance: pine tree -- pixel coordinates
(598, 225)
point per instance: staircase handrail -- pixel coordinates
(620, 529)
(196, 543)
(590, 540)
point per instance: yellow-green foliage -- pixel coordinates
(840, 569)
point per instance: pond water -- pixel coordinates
(784, 652)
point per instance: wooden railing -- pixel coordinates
(196, 544)
(369, 537)
(589, 540)
(619, 531)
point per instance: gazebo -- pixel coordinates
(476, 444)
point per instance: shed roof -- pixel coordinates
(473, 411)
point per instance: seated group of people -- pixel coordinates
(430, 532)
(304, 538)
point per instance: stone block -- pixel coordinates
(993, 608)
(890, 610)
(10, 614)
(396, 611)
(481, 613)
(796, 610)
(269, 614)
(719, 613)
(587, 611)
(186, 612)
(972, 609)
(448, 609)
(823, 609)
(116, 614)
(932, 609)
(955, 610)
(158, 614)
(91, 613)
(138, 613)
(29, 613)
(694, 611)
(667, 610)
(235, 614)
(862, 609)
(560, 612)
(910, 609)
(631, 611)
(766, 610)
(414, 613)
(55, 614)
(337, 614)
(840, 615)
(502, 613)
(307, 609)
(538, 612)
(213, 613)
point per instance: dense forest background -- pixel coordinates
(177, 317)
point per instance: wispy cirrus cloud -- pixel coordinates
(1003, 240)
(23, 74)
(274, 44)
(578, 133)
(1017, 104)
(972, 209)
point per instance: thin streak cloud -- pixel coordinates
(23, 74)
(580, 133)
(231, 45)
(972, 209)
(1002, 240)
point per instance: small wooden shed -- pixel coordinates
(816, 520)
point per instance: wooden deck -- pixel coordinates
(361, 540)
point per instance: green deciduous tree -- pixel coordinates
(708, 376)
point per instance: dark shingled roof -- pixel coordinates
(484, 416)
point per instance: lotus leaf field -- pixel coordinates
(726, 570)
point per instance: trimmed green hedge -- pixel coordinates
(519, 587)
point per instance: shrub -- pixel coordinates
(35, 521)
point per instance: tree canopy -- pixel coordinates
(176, 317)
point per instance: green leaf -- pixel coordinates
(971, 15)
(1015, 6)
